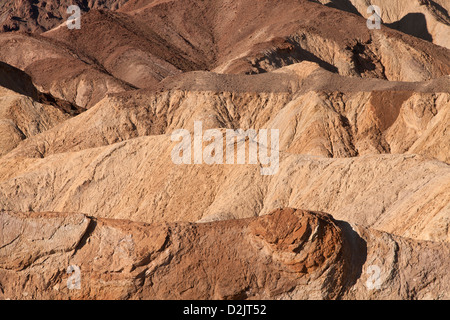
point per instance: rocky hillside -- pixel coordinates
(425, 19)
(359, 159)
(288, 254)
(38, 16)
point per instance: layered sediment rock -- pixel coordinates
(358, 122)
(288, 254)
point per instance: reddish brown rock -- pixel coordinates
(268, 257)
(289, 254)
(86, 117)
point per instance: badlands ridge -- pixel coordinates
(87, 180)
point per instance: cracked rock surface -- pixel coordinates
(288, 254)
(94, 206)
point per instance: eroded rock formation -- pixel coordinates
(288, 254)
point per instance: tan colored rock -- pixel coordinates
(24, 111)
(428, 20)
(58, 70)
(316, 112)
(88, 179)
(284, 255)
(146, 41)
(392, 261)
(137, 180)
(21, 118)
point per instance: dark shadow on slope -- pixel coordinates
(355, 251)
(344, 5)
(304, 55)
(361, 60)
(286, 52)
(18, 81)
(414, 24)
(87, 233)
